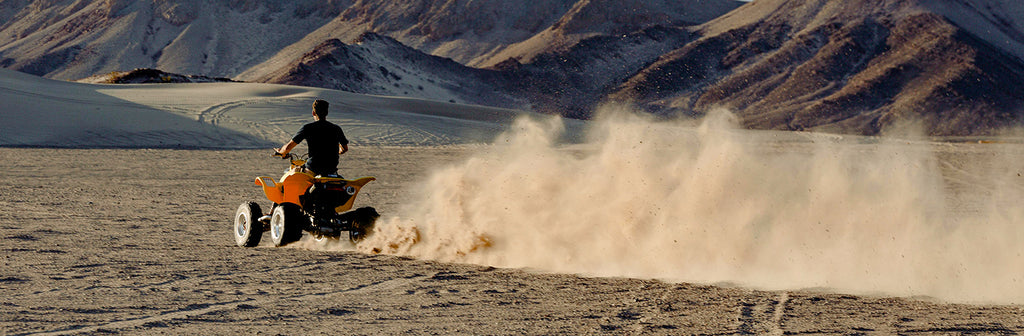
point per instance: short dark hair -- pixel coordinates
(320, 108)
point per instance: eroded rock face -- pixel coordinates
(176, 12)
(377, 64)
(77, 39)
(849, 70)
(856, 66)
(617, 17)
(115, 6)
(442, 19)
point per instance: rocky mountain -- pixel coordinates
(483, 33)
(73, 39)
(568, 82)
(573, 81)
(465, 31)
(856, 66)
(248, 39)
(591, 18)
(303, 43)
(376, 64)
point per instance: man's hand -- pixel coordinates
(284, 150)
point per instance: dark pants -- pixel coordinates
(322, 170)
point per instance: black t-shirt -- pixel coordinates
(323, 139)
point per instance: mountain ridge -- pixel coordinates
(361, 67)
(844, 70)
(859, 66)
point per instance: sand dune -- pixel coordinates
(43, 112)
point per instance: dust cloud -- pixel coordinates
(716, 204)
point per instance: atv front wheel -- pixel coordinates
(247, 230)
(286, 224)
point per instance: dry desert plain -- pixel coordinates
(137, 241)
(639, 227)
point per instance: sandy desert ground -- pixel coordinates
(138, 242)
(493, 223)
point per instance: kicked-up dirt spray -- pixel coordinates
(711, 204)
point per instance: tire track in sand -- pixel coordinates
(182, 281)
(216, 114)
(206, 308)
(763, 317)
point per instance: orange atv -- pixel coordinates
(302, 202)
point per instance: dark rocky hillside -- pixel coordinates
(949, 67)
(151, 76)
(376, 64)
(572, 82)
(849, 70)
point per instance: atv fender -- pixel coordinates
(288, 190)
(271, 188)
(355, 185)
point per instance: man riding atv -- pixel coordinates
(310, 197)
(321, 136)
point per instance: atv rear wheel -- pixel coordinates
(248, 231)
(362, 224)
(324, 241)
(286, 222)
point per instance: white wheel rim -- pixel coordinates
(240, 225)
(277, 225)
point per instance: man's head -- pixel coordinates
(320, 108)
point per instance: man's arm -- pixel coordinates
(286, 148)
(343, 148)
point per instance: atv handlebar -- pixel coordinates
(296, 160)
